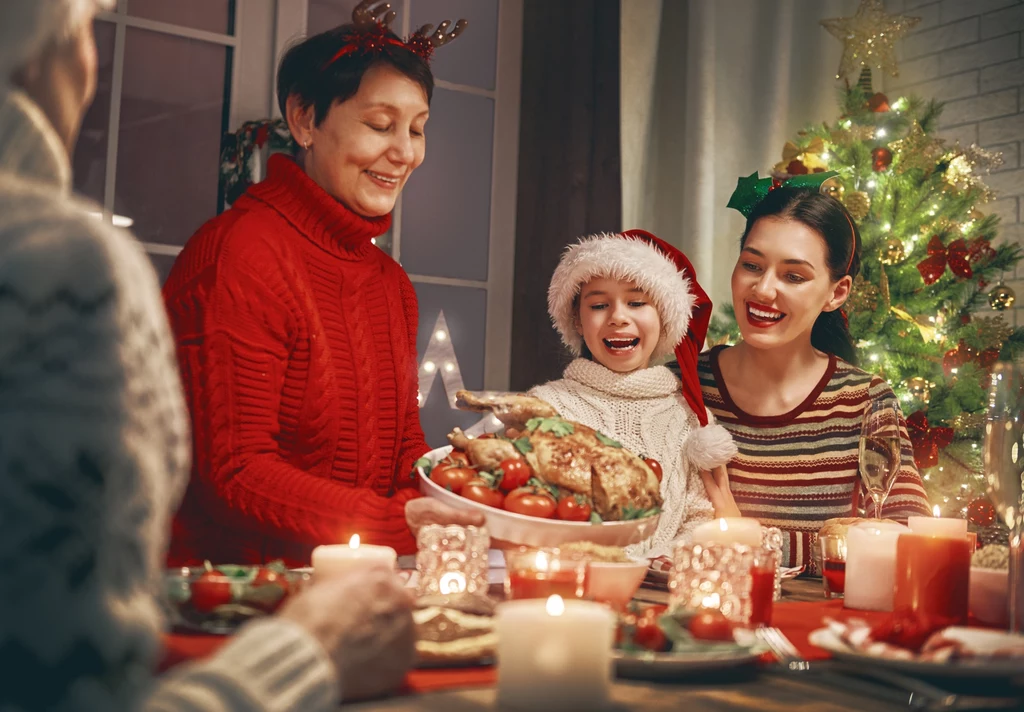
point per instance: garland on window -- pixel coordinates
(238, 154)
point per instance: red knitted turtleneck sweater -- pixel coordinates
(297, 342)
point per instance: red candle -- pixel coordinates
(834, 571)
(762, 593)
(569, 583)
(932, 576)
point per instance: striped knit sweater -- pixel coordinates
(297, 342)
(798, 469)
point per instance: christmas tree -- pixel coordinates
(925, 309)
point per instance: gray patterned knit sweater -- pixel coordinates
(94, 449)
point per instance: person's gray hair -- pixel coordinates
(28, 27)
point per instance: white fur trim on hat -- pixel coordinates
(628, 258)
(709, 446)
(27, 26)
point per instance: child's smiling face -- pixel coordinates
(619, 323)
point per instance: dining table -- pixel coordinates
(765, 685)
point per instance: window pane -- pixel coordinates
(325, 14)
(210, 15)
(162, 264)
(172, 119)
(90, 160)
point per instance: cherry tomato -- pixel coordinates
(452, 477)
(655, 467)
(517, 473)
(531, 501)
(480, 491)
(211, 590)
(458, 457)
(711, 625)
(265, 576)
(574, 509)
(648, 633)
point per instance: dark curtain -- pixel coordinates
(569, 168)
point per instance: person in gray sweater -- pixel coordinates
(95, 445)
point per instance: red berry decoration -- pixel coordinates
(981, 512)
(881, 158)
(796, 168)
(878, 103)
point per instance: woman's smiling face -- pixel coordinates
(781, 283)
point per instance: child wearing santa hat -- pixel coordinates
(621, 302)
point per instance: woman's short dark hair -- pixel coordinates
(307, 71)
(828, 217)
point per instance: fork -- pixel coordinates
(913, 693)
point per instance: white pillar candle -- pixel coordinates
(728, 530)
(871, 565)
(554, 654)
(334, 559)
(938, 526)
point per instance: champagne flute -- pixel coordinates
(880, 446)
(1003, 459)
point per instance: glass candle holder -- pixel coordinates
(771, 544)
(452, 559)
(715, 576)
(833, 564)
(539, 573)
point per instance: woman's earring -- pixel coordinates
(305, 145)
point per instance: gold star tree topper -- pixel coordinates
(868, 37)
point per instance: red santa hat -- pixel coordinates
(665, 274)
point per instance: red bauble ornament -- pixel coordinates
(955, 358)
(796, 168)
(881, 158)
(981, 512)
(988, 357)
(965, 319)
(878, 103)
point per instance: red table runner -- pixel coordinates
(796, 620)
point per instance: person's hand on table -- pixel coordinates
(423, 511)
(716, 482)
(363, 620)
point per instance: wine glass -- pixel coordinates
(880, 446)
(1003, 462)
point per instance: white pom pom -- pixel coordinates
(709, 447)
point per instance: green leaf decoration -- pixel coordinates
(595, 518)
(607, 440)
(555, 426)
(629, 512)
(423, 462)
(523, 445)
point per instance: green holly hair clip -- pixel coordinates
(752, 190)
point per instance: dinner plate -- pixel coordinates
(534, 531)
(979, 668)
(647, 665)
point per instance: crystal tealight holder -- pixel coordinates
(715, 576)
(451, 560)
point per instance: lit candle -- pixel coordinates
(933, 575)
(333, 559)
(554, 654)
(452, 582)
(938, 526)
(543, 573)
(871, 565)
(728, 530)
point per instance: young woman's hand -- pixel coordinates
(716, 482)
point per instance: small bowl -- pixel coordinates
(989, 595)
(614, 583)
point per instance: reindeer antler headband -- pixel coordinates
(371, 33)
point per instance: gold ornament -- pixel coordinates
(833, 188)
(894, 252)
(993, 330)
(1001, 297)
(858, 203)
(917, 151)
(964, 166)
(809, 156)
(928, 330)
(919, 389)
(852, 134)
(969, 421)
(976, 214)
(863, 296)
(868, 37)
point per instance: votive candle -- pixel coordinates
(938, 526)
(334, 559)
(554, 654)
(728, 530)
(933, 576)
(871, 565)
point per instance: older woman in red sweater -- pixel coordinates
(296, 334)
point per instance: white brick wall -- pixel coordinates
(970, 54)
